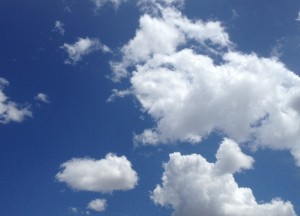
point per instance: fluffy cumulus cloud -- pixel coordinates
(163, 35)
(9, 110)
(42, 98)
(98, 205)
(104, 175)
(189, 78)
(193, 186)
(83, 47)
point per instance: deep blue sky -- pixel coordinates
(79, 122)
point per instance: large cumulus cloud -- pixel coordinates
(192, 186)
(189, 78)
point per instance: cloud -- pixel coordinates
(83, 47)
(42, 98)
(9, 110)
(59, 27)
(141, 3)
(298, 18)
(163, 35)
(191, 185)
(104, 175)
(98, 205)
(101, 3)
(189, 78)
(73, 210)
(149, 4)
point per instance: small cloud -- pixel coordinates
(101, 3)
(104, 175)
(234, 14)
(42, 98)
(59, 27)
(98, 205)
(9, 110)
(83, 47)
(298, 17)
(73, 210)
(276, 51)
(118, 94)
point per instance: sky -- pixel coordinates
(162, 107)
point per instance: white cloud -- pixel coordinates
(42, 98)
(104, 175)
(83, 47)
(73, 210)
(298, 18)
(98, 205)
(189, 79)
(59, 27)
(163, 35)
(191, 185)
(9, 110)
(141, 3)
(101, 3)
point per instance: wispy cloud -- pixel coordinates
(59, 27)
(42, 98)
(83, 47)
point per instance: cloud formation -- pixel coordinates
(298, 17)
(59, 27)
(9, 110)
(163, 35)
(83, 47)
(98, 205)
(189, 78)
(104, 175)
(101, 3)
(193, 186)
(42, 98)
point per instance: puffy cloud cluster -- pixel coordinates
(98, 205)
(9, 110)
(192, 186)
(189, 79)
(104, 175)
(163, 35)
(83, 47)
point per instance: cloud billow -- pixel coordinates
(192, 186)
(105, 175)
(189, 94)
(11, 111)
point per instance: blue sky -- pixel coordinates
(165, 107)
